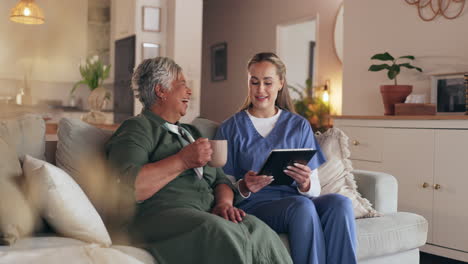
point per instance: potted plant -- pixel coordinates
(312, 107)
(94, 72)
(392, 94)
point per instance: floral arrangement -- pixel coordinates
(93, 72)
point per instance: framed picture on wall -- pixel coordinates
(151, 19)
(219, 62)
(150, 50)
(448, 93)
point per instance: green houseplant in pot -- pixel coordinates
(395, 93)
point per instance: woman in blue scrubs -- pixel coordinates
(321, 228)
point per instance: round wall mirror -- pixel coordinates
(338, 34)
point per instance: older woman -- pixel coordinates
(185, 211)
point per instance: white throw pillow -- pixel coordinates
(63, 204)
(336, 174)
(17, 218)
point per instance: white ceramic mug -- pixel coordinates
(219, 155)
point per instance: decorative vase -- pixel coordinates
(97, 100)
(393, 94)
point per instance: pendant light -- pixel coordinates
(27, 12)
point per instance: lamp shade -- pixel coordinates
(27, 12)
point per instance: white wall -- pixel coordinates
(374, 26)
(149, 37)
(49, 53)
(188, 48)
(294, 50)
(99, 29)
(180, 39)
(249, 27)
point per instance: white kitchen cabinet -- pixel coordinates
(408, 154)
(123, 18)
(366, 144)
(450, 218)
(429, 158)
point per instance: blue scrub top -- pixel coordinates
(248, 150)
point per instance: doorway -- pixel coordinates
(296, 42)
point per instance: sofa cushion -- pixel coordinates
(63, 204)
(138, 253)
(206, 127)
(386, 235)
(9, 163)
(390, 234)
(80, 152)
(55, 250)
(78, 140)
(18, 136)
(17, 218)
(38, 242)
(50, 241)
(335, 175)
(26, 134)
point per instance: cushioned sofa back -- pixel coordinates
(207, 127)
(77, 140)
(26, 134)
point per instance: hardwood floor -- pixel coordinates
(426, 258)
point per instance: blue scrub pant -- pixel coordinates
(320, 229)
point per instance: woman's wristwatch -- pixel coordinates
(237, 184)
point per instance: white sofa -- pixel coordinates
(392, 238)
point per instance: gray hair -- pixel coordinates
(151, 72)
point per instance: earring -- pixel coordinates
(163, 98)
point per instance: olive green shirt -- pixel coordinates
(143, 139)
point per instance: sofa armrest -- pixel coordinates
(381, 189)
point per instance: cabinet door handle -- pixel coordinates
(437, 186)
(425, 185)
(355, 142)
